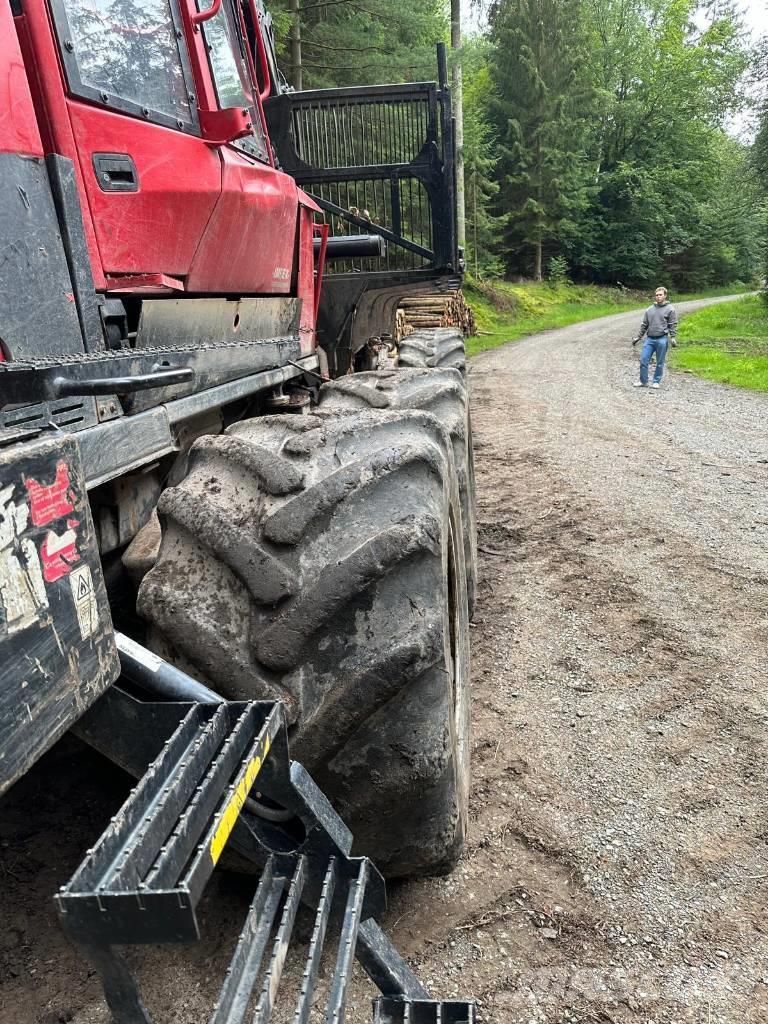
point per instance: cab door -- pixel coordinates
(250, 241)
(173, 204)
(151, 182)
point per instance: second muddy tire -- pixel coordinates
(433, 347)
(318, 559)
(441, 392)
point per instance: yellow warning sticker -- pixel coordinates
(236, 801)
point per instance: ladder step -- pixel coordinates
(185, 837)
(134, 814)
(142, 881)
(243, 971)
(309, 979)
(144, 878)
(138, 855)
(345, 959)
(422, 1011)
(282, 941)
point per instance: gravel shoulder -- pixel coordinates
(619, 856)
(617, 867)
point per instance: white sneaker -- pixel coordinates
(639, 384)
(655, 385)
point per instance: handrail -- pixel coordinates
(200, 16)
(262, 53)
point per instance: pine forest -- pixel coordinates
(619, 142)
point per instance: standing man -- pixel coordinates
(660, 327)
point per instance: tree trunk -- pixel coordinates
(541, 116)
(295, 44)
(537, 245)
(458, 113)
(474, 218)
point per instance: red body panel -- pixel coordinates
(249, 243)
(320, 231)
(41, 57)
(18, 125)
(157, 229)
(306, 276)
(205, 219)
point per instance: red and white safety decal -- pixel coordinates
(59, 552)
(52, 501)
(22, 591)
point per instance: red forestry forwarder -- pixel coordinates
(204, 553)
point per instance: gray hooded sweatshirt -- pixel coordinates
(659, 320)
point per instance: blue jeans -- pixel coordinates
(657, 347)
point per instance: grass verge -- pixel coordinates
(505, 312)
(727, 343)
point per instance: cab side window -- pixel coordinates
(231, 78)
(127, 54)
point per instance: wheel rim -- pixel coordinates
(459, 667)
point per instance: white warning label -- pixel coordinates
(141, 654)
(85, 600)
(22, 590)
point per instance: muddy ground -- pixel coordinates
(617, 867)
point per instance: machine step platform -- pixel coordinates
(143, 880)
(422, 1011)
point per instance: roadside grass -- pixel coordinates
(726, 343)
(505, 312)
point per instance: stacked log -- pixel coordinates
(433, 309)
(401, 325)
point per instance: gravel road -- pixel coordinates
(617, 868)
(619, 847)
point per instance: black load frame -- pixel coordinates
(377, 159)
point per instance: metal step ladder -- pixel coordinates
(143, 880)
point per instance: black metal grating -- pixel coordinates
(423, 1011)
(383, 156)
(143, 879)
(362, 132)
(65, 413)
(399, 204)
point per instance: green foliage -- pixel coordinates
(713, 364)
(759, 154)
(480, 163)
(538, 108)
(730, 324)
(665, 88)
(611, 146)
(727, 343)
(363, 42)
(505, 312)
(731, 228)
(557, 270)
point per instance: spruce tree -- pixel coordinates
(482, 188)
(354, 42)
(538, 114)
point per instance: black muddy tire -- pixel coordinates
(319, 559)
(440, 392)
(433, 347)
